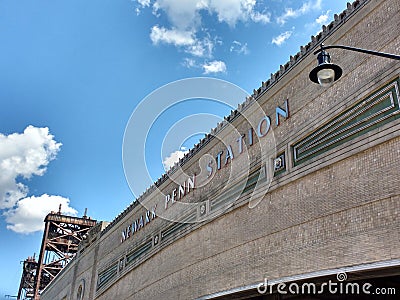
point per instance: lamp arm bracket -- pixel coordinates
(376, 53)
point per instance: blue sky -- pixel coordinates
(72, 73)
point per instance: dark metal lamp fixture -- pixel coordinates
(326, 72)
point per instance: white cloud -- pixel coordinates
(258, 17)
(201, 48)
(183, 15)
(187, 28)
(186, 14)
(294, 13)
(30, 212)
(196, 49)
(322, 19)
(185, 40)
(215, 66)
(232, 11)
(239, 48)
(174, 157)
(189, 63)
(171, 36)
(144, 3)
(280, 39)
(23, 155)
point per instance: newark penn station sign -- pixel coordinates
(223, 158)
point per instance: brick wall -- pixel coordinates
(337, 209)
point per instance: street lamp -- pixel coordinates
(326, 72)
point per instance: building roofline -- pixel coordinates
(327, 30)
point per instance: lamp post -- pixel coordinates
(326, 72)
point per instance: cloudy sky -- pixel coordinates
(72, 73)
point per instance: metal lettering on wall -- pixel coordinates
(138, 224)
(223, 158)
(181, 191)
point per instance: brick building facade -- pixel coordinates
(329, 204)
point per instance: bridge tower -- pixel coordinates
(61, 237)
